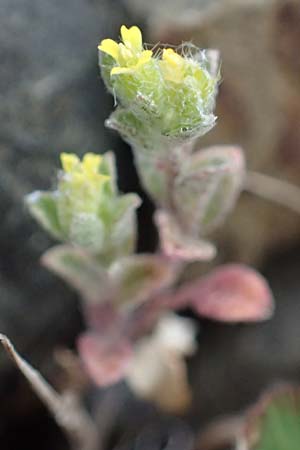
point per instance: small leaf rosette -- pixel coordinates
(86, 209)
(173, 91)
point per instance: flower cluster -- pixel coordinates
(81, 183)
(175, 93)
(86, 208)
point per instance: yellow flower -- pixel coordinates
(129, 54)
(173, 66)
(85, 173)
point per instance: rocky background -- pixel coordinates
(53, 100)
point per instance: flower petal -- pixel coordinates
(120, 70)
(69, 161)
(144, 58)
(172, 57)
(110, 47)
(132, 37)
(91, 162)
(172, 66)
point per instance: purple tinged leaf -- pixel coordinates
(230, 293)
(103, 318)
(106, 361)
(176, 245)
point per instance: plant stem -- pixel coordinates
(65, 408)
(272, 189)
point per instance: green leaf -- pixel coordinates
(207, 187)
(42, 206)
(138, 277)
(87, 231)
(81, 271)
(106, 63)
(122, 231)
(108, 167)
(274, 422)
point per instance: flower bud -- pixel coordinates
(86, 209)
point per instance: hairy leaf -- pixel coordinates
(81, 271)
(42, 206)
(207, 187)
(87, 231)
(139, 277)
(176, 245)
(230, 293)
(105, 360)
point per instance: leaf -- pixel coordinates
(108, 167)
(274, 422)
(106, 361)
(81, 271)
(87, 231)
(207, 187)
(138, 277)
(103, 317)
(176, 245)
(230, 293)
(42, 206)
(123, 233)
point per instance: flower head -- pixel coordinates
(129, 54)
(82, 181)
(87, 170)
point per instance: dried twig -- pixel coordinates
(277, 191)
(66, 409)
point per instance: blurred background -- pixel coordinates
(53, 100)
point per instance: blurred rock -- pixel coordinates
(258, 105)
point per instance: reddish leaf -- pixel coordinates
(105, 361)
(231, 293)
